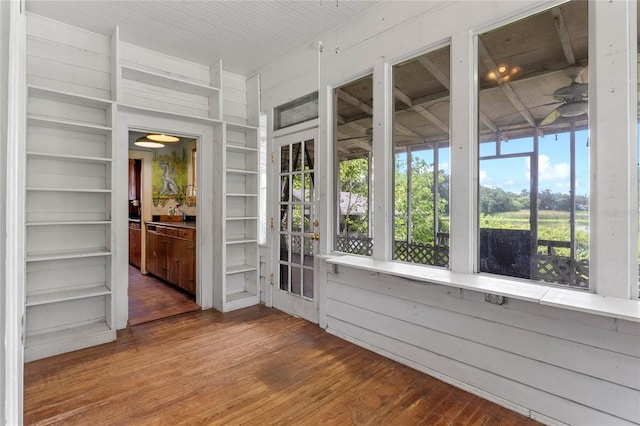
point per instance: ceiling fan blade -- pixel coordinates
(549, 119)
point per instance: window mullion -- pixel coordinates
(464, 156)
(383, 209)
(613, 145)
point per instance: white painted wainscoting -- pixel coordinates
(576, 368)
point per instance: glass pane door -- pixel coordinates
(297, 230)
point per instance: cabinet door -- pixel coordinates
(135, 246)
(153, 252)
(188, 278)
(175, 248)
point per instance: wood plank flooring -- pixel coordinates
(257, 366)
(150, 298)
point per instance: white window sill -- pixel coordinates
(545, 295)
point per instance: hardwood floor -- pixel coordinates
(256, 366)
(151, 299)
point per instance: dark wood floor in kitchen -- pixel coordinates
(256, 366)
(150, 298)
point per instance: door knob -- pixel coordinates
(315, 236)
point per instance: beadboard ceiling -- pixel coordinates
(246, 34)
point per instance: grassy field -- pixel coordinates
(552, 225)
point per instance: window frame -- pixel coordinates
(621, 215)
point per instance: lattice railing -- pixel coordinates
(296, 242)
(354, 245)
(562, 270)
(425, 254)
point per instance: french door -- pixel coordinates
(296, 233)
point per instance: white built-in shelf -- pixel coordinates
(169, 114)
(66, 254)
(240, 300)
(231, 194)
(241, 240)
(238, 269)
(242, 295)
(242, 172)
(61, 124)
(63, 157)
(67, 97)
(45, 338)
(242, 218)
(62, 295)
(105, 191)
(73, 222)
(240, 148)
(240, 127)
(167, 81)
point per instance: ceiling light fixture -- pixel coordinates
(146, 143)
(161, 137)
(503, 73)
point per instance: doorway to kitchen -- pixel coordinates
(162, 229)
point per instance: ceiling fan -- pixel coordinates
(572, 98)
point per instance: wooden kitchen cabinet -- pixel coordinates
(171, 255)
(135, 244)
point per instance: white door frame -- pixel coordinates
(204, 239)
(293, 305)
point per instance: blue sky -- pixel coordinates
(513, 174)
(553, 165)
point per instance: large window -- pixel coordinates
(353, 151)
(421, 159)
(533, 147)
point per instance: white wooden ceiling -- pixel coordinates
(246, 34)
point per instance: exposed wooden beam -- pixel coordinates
(435, 71)
(432, 118)
(487, 121)
(565, 40)
(432, 67)
(352, 100)
(490, 63)
(420, 110)
(407, 131)
(403, 97)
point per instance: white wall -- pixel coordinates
(4, 55)
(549, 363)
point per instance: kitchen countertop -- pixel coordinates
(191, 224)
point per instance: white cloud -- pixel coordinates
(549, 171)
(483, 176)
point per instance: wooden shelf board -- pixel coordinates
(64, 294)
(240, 195)
(241, 127)
(66, 254)
(167, 81)
(71, 333)
(67, 97)
(240, 300)
(237, 269)
(241, 172)
(62, 157)
(240, 148)
(105, 191)
(169, 114)
(73, 126)
(241, 241)
(71, 222)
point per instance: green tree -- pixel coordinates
(422, 200)
(354, 182)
